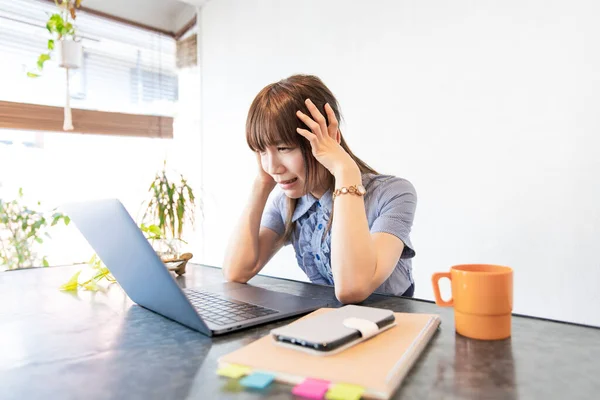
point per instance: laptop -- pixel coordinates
(211, 310)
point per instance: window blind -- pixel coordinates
(125, 69)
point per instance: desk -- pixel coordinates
(56, 345)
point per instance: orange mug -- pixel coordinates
(482, 297)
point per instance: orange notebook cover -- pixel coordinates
(378, 364)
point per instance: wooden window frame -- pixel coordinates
(35, 117)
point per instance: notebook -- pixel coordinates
(378, 365)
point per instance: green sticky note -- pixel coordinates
(343, 391)
(233, 371)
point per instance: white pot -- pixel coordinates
(70, 53)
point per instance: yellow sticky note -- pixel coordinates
(343, 391)
(233, 371)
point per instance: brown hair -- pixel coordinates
(272, 119)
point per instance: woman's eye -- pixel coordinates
(283, 148)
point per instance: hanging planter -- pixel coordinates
(68, 49)
(70, 53)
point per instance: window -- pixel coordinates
(144, 89)
(126, 70)
(129, 85)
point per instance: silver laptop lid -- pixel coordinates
(114, 235)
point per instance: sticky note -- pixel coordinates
(233, 371)
(311, 388)
(343, 391)
(257, 380)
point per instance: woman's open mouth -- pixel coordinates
(288, 184)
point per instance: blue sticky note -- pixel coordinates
(257, 380)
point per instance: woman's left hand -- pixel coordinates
(325, 140)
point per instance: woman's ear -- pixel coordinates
(338, 136)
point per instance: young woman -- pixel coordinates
(349, 225)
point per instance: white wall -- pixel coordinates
(489, 108)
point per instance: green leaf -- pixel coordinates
(41, 60)
(91, 286)
(67, 220)
(93, 259)
(55, 23)
(39, 240)
(154, 229)
(72, 283)
(45, 262)
(68, 29)
(55, 218)
(50, 44)
(102, 272)
(38, 224)
(33, 75)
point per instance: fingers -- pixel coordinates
(314, 126)
(332, 129)
(318, 123)
(307, 134)
(317, 116)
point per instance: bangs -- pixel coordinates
(272, 120)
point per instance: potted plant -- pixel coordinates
(171, 207)
(21, 229)
(63, 38)
(65, 42)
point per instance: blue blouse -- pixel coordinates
(390, 204)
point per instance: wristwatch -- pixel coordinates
(358, 190)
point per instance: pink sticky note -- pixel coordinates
(311, 388)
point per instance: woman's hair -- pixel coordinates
(272, 119)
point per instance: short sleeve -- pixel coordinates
(396, 200)
(272, 216)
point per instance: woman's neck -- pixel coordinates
(325, 184)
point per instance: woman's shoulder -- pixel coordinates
(387, 184)
(277, 201)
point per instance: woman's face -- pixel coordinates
(286, 166)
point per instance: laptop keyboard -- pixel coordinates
(220, 311)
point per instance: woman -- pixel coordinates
(360, 246)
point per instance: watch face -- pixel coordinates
(361, 190)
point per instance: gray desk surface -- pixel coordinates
(56, 345)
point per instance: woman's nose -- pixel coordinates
(274, 166)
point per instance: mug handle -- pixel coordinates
(435, 278)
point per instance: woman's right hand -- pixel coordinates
(263, 178)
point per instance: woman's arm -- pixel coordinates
(251, 246)
(360, 261)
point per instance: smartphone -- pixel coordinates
(326, 332)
